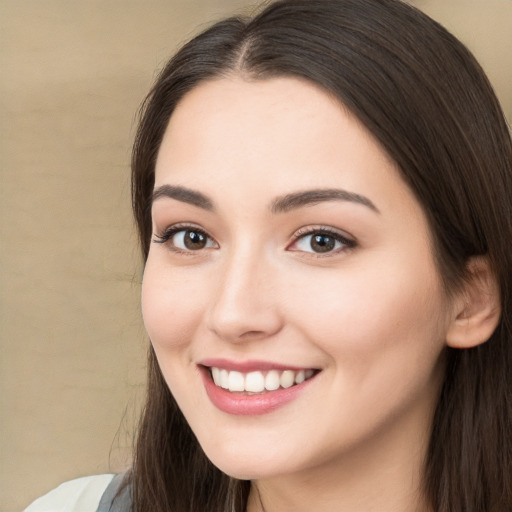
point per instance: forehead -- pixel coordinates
(267, 137)
(252, 114)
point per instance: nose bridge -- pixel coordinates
(244, 306)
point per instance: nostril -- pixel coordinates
(245, 328)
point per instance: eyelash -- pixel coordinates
(301, 234)
(170, 232)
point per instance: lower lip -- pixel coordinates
(241, 404)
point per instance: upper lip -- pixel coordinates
(249, 365)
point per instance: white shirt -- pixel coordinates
(80, 495)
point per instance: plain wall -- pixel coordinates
(72, 74)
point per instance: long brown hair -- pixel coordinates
(420, 92)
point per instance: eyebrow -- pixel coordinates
(281, 204)
(311, 197)
(185, 195)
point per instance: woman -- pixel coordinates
(323, 200)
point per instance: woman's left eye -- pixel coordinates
(321, 242)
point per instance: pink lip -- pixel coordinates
(247, 366)
(242, 404)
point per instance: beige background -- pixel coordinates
(72, 74)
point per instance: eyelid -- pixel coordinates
(341, 236)
(165, 236)
(314, 228)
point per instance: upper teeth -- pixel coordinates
(256, 382)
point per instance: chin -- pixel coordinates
(252, 464)
(241, 470)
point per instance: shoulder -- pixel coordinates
(80, 495)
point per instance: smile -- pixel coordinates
(258, 381)
(254, 387)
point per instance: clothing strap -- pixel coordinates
(110, 502)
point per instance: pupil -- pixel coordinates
(194, 240)
(322, 243)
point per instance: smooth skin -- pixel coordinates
(370, 311)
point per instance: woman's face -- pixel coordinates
(291, 263)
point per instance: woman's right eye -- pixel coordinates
(186, 239)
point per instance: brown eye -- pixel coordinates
(322, 243)
(194, 240)
(185, 239)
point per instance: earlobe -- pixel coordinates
(477, 308)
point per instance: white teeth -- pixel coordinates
(224, 379)
(216, 376)
(236, 381)
(300, 377)
(272, 380)
(287, 379)
(256, 381)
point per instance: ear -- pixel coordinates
(477, 307)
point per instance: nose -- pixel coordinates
(246, 303)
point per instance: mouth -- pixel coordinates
(252, 388)
(258, 381)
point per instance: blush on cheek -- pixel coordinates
(372, 316)
(170, 318)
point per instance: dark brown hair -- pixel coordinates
(420, 92)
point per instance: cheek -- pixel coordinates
(171, 306)
(383, 336)
(369, 317)
(172, 311)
